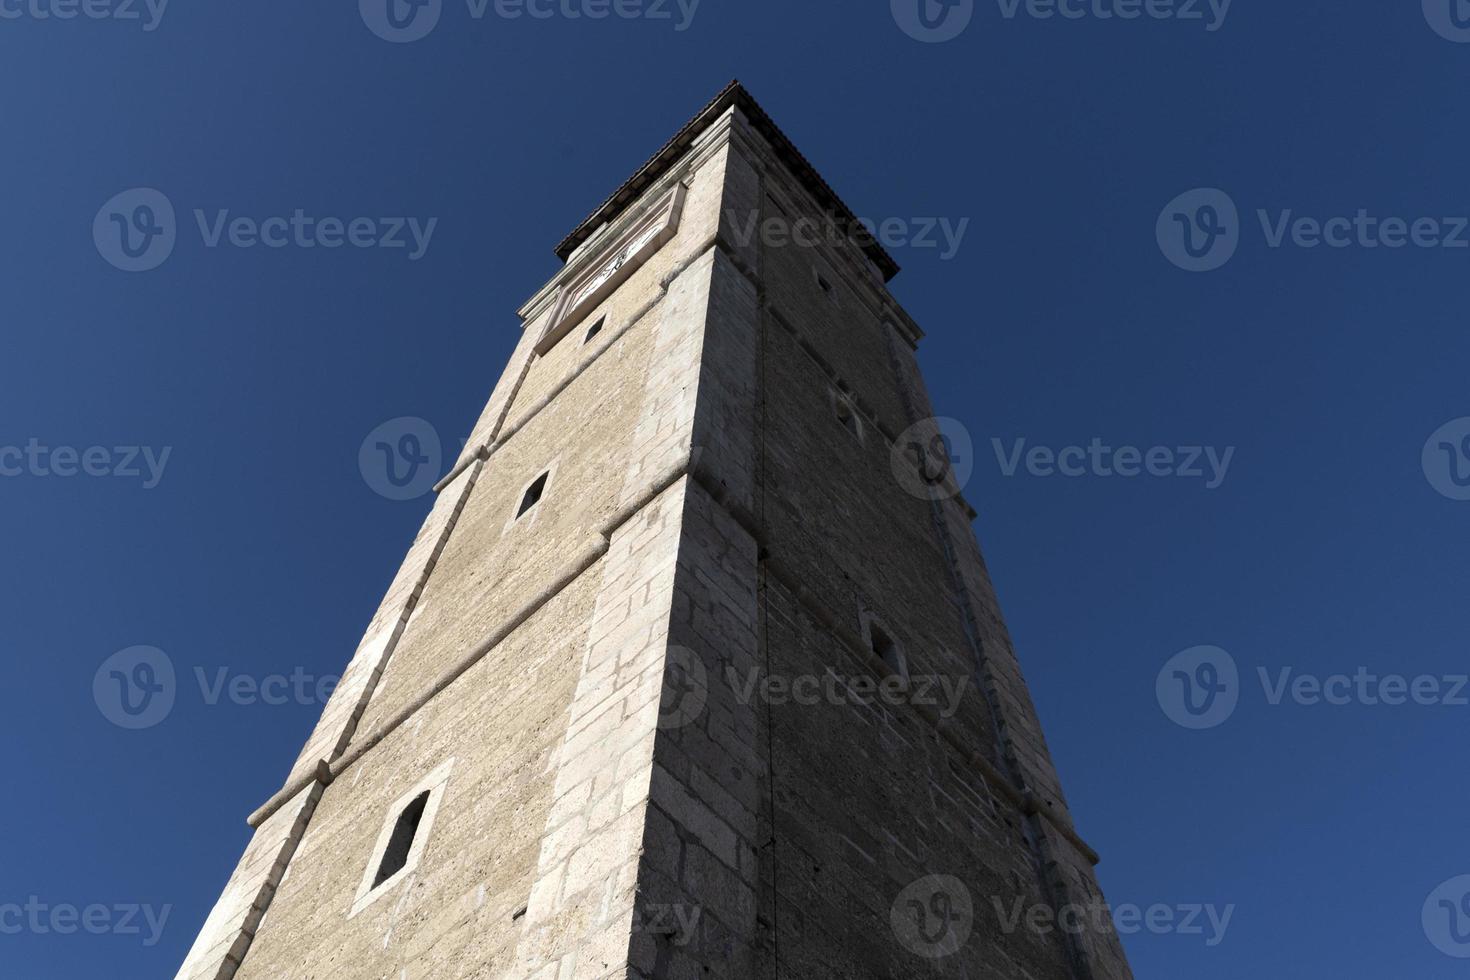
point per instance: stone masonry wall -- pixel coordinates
(671, 749)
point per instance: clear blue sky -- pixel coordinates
(263, 551)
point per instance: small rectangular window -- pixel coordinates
(533, 494)
(400, 845)
(596, 329)
(885, 647)
(847, 414)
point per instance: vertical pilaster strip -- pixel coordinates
(700, 870)
(700, 878)
(580, 919)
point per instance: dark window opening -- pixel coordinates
(395, 858)
(533, 494)
(826, 286)
(596, 329)
(887, 650)
(847, 416)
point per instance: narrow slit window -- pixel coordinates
(400, 845)
(826, 286)
(533, 494)
(887, 650)
(846, 415)
(596, 329)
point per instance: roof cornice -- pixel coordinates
(733, 95)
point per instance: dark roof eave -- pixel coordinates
(733, 94)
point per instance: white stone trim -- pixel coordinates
(435, 785)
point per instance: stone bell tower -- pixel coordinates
(694, 669)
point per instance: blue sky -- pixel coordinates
(1333, 546)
